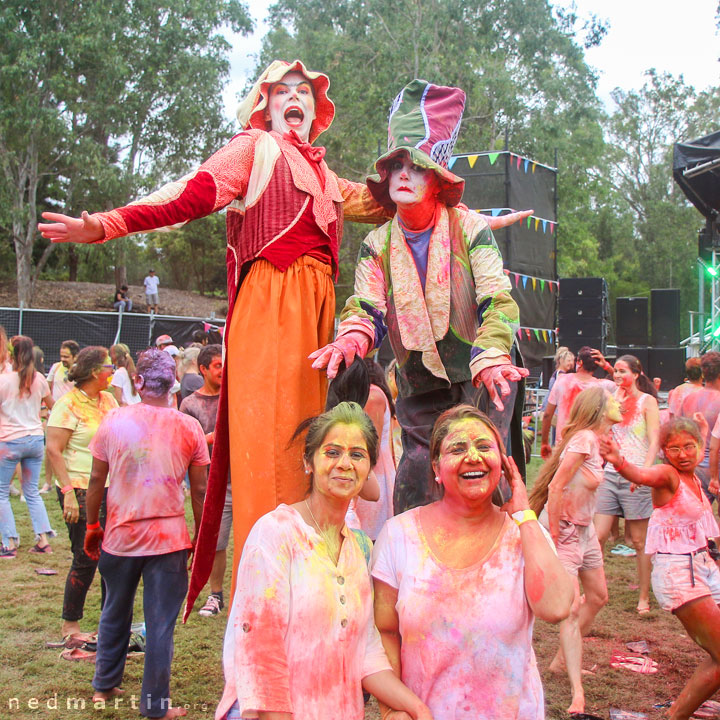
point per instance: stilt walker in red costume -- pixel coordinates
(285, 212)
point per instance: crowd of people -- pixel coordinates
(435, 620)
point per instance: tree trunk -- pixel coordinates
(120, 259)
(73, 262)
(25, 284)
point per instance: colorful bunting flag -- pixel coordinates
(542, 284)
(534, 283)
(524, 279)
(518, 162)
(493, 157)
(525, 167)
(451, 162)
(472, 159)
(534, 166)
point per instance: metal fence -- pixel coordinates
(48, 328)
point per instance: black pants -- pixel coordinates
(414, 481)
(82, 569)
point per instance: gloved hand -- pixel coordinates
(499, 374)
(93, 542)
(345, 347)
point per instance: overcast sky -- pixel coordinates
(679, 38)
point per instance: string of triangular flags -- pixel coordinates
(535, 282)
(532, 221)
(207, 327)
(541, 334)
(516, 160)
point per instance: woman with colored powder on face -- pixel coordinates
(637, 436)
(22, 440)
(685, 579)
(459, 582)
(73, 422)
(300, 638)
(564, 492)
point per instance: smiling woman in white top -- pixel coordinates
(22, 440)
(123, 380)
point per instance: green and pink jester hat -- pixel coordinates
(424, 123)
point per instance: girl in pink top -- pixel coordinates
(301, 642)
(22, 440)
(637, 435)
(458, 583)
(565, 488)
(685, 579)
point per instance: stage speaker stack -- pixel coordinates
(583, 316)
(667, 359)
(631, 328)
(497, 183)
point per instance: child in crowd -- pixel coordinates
(565, 493)
(685, 579)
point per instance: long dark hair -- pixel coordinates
(643, 382)
(377, 377)
(23, 362)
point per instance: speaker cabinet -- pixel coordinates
(641, 353)
(665, 318)
(578, 307)
(667, 364)
(631, 321)
(591, 287)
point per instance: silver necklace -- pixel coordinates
(307, 505)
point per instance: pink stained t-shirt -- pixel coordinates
(683, 524)
(20, 416)
(578, 501)
(301, 634)
(148, 449)
(566, 388)
(466, 633)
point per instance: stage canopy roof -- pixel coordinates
(696, 169)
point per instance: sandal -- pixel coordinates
(643, 665)
(44, 550)
(78, 654)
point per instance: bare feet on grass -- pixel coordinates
(100, 695)
(578, 702)
(173, 713)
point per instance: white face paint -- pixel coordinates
(291, 105)
(410, 184)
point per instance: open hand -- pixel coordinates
(501, 221)
(519, 498)
(63, 228)
(345, 347)
(499, 375)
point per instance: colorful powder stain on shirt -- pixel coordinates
(578, 501)
(148, 449)
(82, 415)
(707, 402)
(466, 633)
(566, 388)
(301, 634)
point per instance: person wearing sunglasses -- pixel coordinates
(73, 422)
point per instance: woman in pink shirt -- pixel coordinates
(458, 583)
(564, 494)
(685, 579)
(22, 440)
(301, 642)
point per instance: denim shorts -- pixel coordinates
(614, 498)
(675, 585)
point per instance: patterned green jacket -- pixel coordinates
(463, 322)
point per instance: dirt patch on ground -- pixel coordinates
(59, 295)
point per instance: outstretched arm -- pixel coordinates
(656, 476)
(218, 181)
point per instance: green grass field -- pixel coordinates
(36, 683)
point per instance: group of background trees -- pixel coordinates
(101, 102)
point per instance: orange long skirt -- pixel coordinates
(279, 318)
